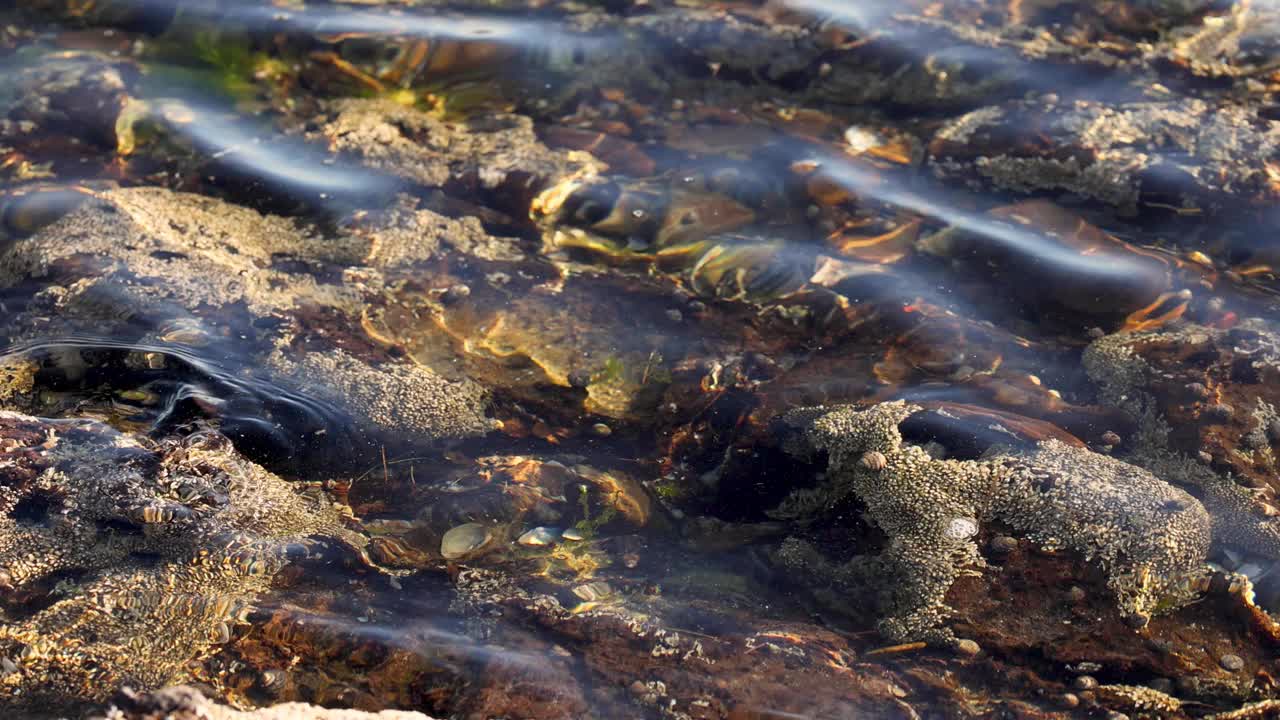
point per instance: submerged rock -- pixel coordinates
(131, 264)
(1151, 538)
(123, 560)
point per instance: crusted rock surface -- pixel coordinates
(133, 263)
(121, 560)
(1151, 537)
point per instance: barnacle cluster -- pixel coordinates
(1133, 373)
(122, 560)
(1150, 537)
(163, 259)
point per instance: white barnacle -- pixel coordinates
(959, 529)
(874, 460)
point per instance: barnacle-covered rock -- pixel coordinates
(499, 151)
(135, 264)
(1203, 399)
(122, 560)
(1213, 390)
(1150, 537)
(1183, 154)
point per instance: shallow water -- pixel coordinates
(527, 297)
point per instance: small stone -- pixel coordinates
(1231, 663)
(579, 379)
(1204, 457)
(675, 315)
(1069, 700)
(1096, 333)
(572, 534)
(464, 540)
(967, 647)
(1115, 715)
(539, 536)
(1199, 390)
(592, 592)
(455, 293)
(1003, 544)
(1111, 438)
(1085, 682)
(602, 430)
(630, 560)
(637, 688)
(1077, 594)
(874, 460)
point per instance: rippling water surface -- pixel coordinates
(662, 358)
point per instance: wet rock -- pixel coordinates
(187, 703)
(1119, 155)
(132, 263)
(160, 549)
(1152, 538)
(1145, 374)
(411, 400)
(1231, 663)
(497, 151)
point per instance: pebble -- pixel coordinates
(1096, 332)
(1199, 390)
(1111, 438)
(968, 647)
(1204, 457)
(602, 430)
(539, 536)
(1273, 431)
(579, 379)
(1115, 715)
(454, 293)
(1004, 544)
(1077, 594)
(1070, 700)
(1231, 663)
(675, 315)
(572, 534)
(594, 591)
(464, 539)
(1085, 682)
